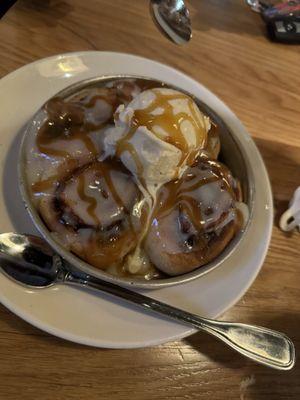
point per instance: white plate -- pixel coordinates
(98, 320)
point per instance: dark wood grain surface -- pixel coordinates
(260, 81)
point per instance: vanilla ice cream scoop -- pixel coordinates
(157, 136)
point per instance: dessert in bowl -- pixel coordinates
(135, 181)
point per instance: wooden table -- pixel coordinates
(260, 81)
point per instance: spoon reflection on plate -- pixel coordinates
(29, 260)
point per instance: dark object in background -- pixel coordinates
(5, 6)
(283, 21)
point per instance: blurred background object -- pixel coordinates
(5, 6)
(282, 19)
(290, 219)
(172, 19)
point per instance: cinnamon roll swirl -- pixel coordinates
(194, 219)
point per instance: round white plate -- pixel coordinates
(96, 319)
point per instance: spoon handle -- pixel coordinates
(265, 346)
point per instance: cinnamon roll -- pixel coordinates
(194, 219)
(91, 212)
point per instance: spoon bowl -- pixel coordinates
(29, 260)
(173, 20)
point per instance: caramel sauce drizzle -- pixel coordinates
(43, 141)
(116, 243)
(182, 193)
(169, 122)
(103, 171)
(44, 185)
(64, 171)
(178, 194)
(65, 121)
(90, 200)
(103, 253)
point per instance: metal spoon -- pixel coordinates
(30, 261)
(172, 18)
